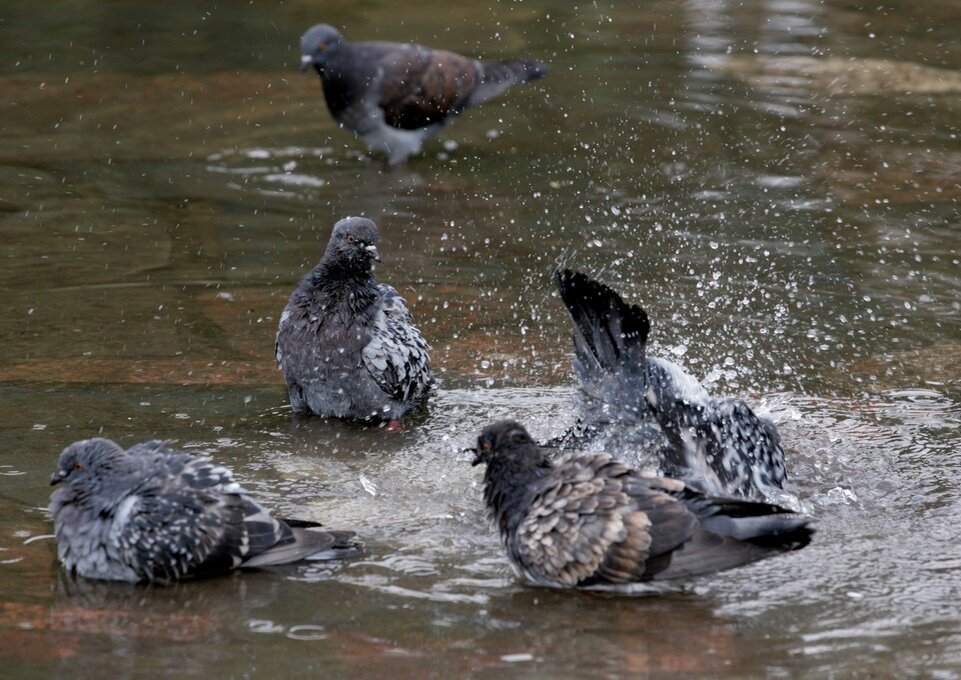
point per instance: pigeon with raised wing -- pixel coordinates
(652, 412)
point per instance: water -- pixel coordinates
(775, 181)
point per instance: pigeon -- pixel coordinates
(589, 521)
(650, 408)
(347, 345)
(153, 514)
(394, 96)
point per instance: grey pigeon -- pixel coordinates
(157, 515)
(589, 521)
(346, 344)
(394, 96)
(652, 410)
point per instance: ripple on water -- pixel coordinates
(278, 178)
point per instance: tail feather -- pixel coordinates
(733, 533)
(497, 76)
(706, 552)
(514, 71)
(307, 544)
(301, 523)
(763, 524)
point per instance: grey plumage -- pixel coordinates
(589, 521)
(347, 345)
(652, 412)
(154, 514)
(394, 96)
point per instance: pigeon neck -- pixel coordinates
(344, 281)
(508, 484)
(339, 90)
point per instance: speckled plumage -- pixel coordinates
(651, 412)
(394, 96)
(589, 521)
(154, 514)
(347, 345)
(724, 443)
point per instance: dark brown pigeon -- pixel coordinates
(154, 514)
(394, 96)
(591, 522)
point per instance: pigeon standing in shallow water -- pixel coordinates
(591, 522)
(651, 408)
(394, 96)
(153, 514)
(346, 344)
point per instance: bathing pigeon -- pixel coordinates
(346, 344)
(394, 96)
(652, 411)
(157, 515)
(588, 521)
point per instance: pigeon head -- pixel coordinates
(514, 461)
(315, 42)
(505, 440)
(353, 243)
(83, 463)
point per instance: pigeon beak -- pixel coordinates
(477, 456)
(306, 61)
(372, 250)
(57, 477)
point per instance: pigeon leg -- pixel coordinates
(394, 426)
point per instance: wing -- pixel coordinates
(728, 533)
(724, 444)
(396, 356)
(187, 518)
(585, 528)
(421, 86)
(749, 447)
(297, 323)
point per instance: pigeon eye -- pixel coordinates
(78, 466)
(351, 239)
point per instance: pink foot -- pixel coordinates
(394, 426)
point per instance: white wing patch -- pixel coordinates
(686, 386)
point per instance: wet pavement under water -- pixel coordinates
(776, 182)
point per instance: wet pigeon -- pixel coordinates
(589, 521)
(655, 412)
(394, 96)
(346, 344)
(154, 514)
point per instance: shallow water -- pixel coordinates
(776, 182)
